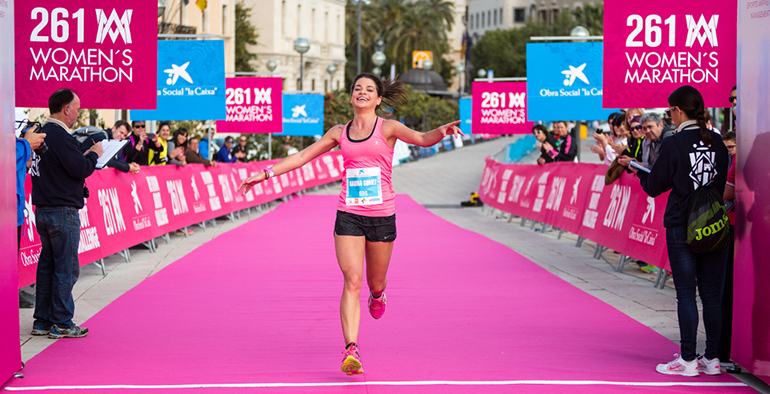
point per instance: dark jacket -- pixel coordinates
(58, 176)
(238, 149)
(543, 152)
(671, 171)
(133, 154)
(565, 149)
(194, 157)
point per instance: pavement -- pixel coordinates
(439, 183)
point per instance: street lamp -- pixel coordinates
(331, 69)
(161, 7)
(301, 45)
(579, 31)
(271, 65)
(481, 73)
(378, 58)
(358, 3)
(427, 64)
(461, 71)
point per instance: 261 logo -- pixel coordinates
(652, 31)
(59, 18)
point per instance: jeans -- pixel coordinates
(706, 272)
(58, 268)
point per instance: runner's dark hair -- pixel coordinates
(690, 101)
(392, 91)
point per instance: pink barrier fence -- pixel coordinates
(124, 210)
(573, 197)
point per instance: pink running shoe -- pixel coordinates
(351, 364)
(377, 305)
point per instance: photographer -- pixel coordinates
(140, 143)
(58, 191)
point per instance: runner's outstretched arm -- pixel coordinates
(398, 130)
(325, 144)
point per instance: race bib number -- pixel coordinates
(364, 186)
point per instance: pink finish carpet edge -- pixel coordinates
(258, 307)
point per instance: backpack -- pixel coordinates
(706, 218)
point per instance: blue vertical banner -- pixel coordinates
(466, 110)
(303, 114)
(565, 81)
(191, 82)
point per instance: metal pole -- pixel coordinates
(301, 71)
(211, 157)
(269, 146)
(358, 67)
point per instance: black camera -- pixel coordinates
(35, 127)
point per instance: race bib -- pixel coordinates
(364, 186)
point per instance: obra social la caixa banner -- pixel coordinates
(191, 81)
(500, 108)
(105, 51)
(254, 105)
(653, 47)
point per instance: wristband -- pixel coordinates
(269, 172)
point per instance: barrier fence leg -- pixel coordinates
(126, 255)
(661, 279)
(231, 216)
(203, 225)
(167, 238)
(599, 250)
(100, 263)
(580, 242)
(560, 233)
(523, 221)
(184, 230)
(623, 261)
(545, 227)
(534, 223)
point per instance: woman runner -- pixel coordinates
(365, 227)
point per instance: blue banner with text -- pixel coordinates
(303, 114)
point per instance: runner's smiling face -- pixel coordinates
(365, 94)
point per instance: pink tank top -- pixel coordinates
(366, 186)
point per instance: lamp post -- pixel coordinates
(271, 65)
(579, 31)
(301, 45)
(481, 73)
(358, 3)
(331, 69)
(427, 64)
(161, 7)
(461, 70)
(378, 58)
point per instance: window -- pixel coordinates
(477, 21)
(312, 23)
(501, 16)
(495, 17)
(204, 20)
(470, 22)
(326, 86)
(299, 20)
(489, 18)
(312, 85)
(519, 15)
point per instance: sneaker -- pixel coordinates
(649, 269)
(40, 329)
(351, 364)
(709, 367)
(679, 367)
(377, 305)
(67, 332)
(181, 232)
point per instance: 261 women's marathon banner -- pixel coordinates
(500, 108)
(124, 210)
(254, 105)
(653, 47)
(106, 53)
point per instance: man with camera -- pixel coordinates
(58, 193)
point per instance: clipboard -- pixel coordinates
(110, 148)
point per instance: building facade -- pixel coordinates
(280, 22)
(485, 15)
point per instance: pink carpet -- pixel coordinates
(256, 310)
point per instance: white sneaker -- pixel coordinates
(679, 367)
(709, 367)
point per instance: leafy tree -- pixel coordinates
(337, 108)
(245, 34)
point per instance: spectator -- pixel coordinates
(203, 147)
(193, 156)
(652, 126)
(604, 143)
(565, 149)
(136, 151)
(160, 157)
(225, 154)
(730, 125)
(543, 136)
(725, 345)
(58, 191)
(702, 271)
(119, 131)
(240, 151)
(24, 147)
(177, 146)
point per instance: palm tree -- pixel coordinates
(419, 31)
(440, 11)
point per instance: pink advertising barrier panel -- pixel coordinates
(573, 197)
(126, 210)
(106, 53)
(653, 47)
(254, 105)
(500, 108)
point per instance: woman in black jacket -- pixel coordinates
(544, 137)
(705, 162)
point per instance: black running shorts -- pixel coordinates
(375, 229)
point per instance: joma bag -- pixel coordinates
(708, 227)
